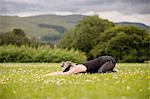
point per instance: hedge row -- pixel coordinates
(23, 53)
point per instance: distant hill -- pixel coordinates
(50, 27)
(47, 28)
(135, 24)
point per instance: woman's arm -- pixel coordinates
(77, 69)
(72, 71)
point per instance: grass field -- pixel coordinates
(26, 81)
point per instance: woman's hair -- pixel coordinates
(67, 69)
(66, 65)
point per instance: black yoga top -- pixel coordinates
(94, 65)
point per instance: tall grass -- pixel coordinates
(24, 53)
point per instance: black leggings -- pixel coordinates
(108, 66)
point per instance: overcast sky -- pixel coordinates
(114, 10)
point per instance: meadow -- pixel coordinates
(26, 81)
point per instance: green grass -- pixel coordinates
(25, 81)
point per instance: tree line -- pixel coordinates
(17, 37)
(15, 46)
(97, 37)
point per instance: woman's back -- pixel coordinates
(94, 65)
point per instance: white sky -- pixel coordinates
(114, 10)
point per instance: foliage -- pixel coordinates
(85, 34)
(125, 43)
(23, 53)
(32, 25)
(99, 37)
(26, 81)
(17, 37)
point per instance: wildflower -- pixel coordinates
(128, 87)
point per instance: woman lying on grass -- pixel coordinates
(102, 64)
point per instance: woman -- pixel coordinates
(101, 64)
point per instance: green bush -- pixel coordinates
(125, 43)
(24, 53)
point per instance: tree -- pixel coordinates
(125, 43)
(16, 37)
(99, 37)
(86, 34)
(18, 32)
